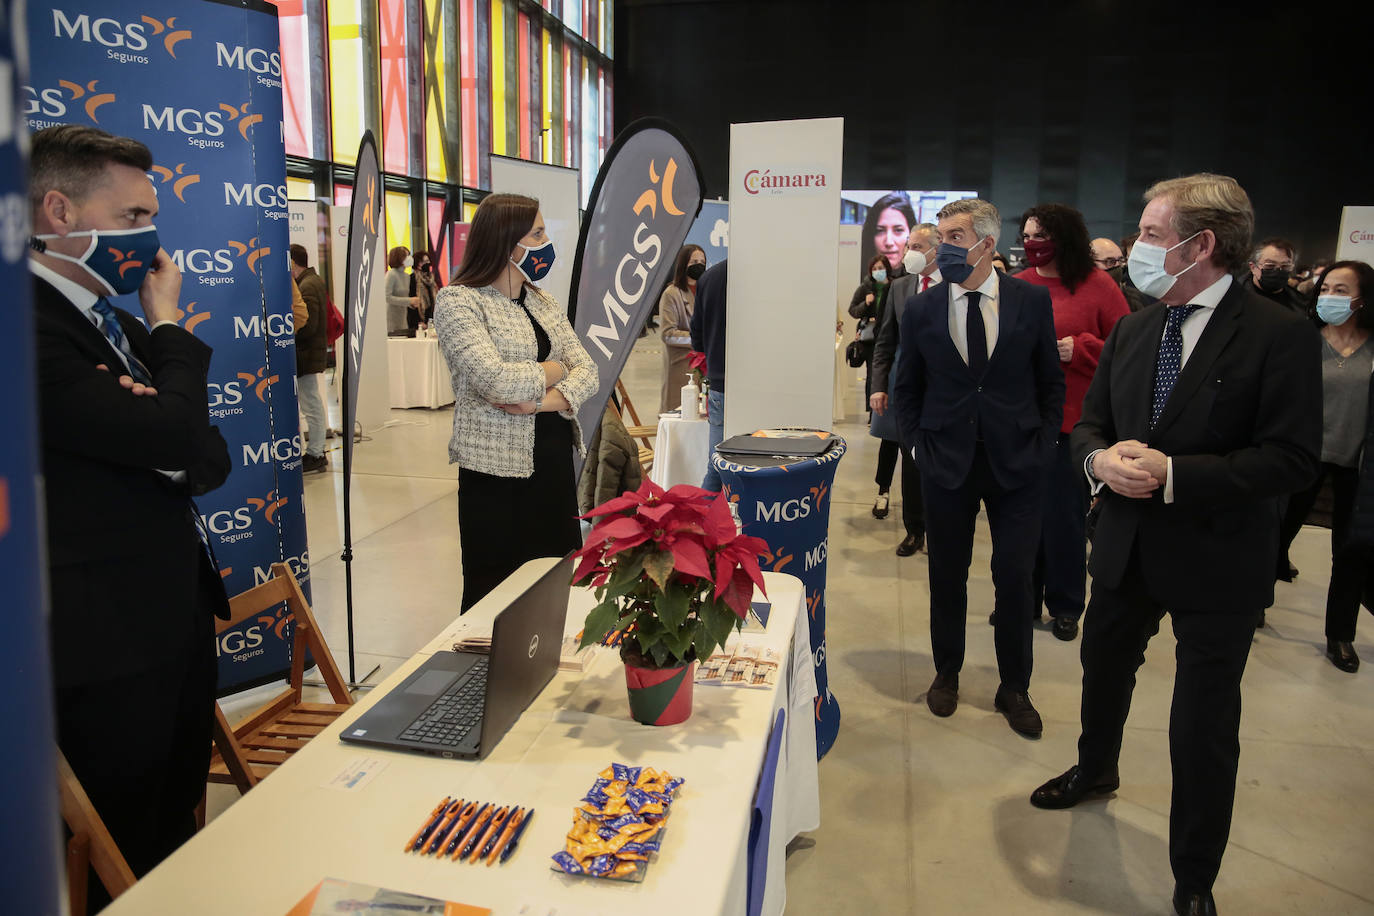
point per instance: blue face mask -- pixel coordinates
(536, 263)
(1335, 309)
(118, 259)
(953, 261)
(880, 275)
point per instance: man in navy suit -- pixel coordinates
(126, 444)
(1206, 408)
(979, 399)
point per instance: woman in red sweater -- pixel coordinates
(1087, 304)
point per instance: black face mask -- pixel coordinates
(694, 271)
(425, 268)
(1273, 280)
(1115, 274)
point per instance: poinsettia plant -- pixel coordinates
(696, 361)
(670, 569)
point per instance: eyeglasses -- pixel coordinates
(1109, 263)
(1273, 265)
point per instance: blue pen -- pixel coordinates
(446, 827)
(467, 828)
(496, 827)
(515, 839)
(432, 826)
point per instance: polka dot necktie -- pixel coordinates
(1170, 360)
(109, 326)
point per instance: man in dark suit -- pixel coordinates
(921, 274)
(1225, 387)
(979, 398)
(126, 443)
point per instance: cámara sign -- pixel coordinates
(764, 181)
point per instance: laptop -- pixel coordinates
(461, 704)
(796, 446)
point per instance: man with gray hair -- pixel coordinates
(1206, 409)
(979, 397)
(1270, 268)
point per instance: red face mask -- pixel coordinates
(1040, 252)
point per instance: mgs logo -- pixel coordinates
(259, 383)
(777, 559)
(55, 102)
(215, 267)
(193, 318)
(202, 128)
(268, 505)
(178, 177)
(123, 41)
(125, 259)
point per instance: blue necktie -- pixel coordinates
(109, 326)
(977, 336)
(1170, 360)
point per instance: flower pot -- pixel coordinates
(660, 696)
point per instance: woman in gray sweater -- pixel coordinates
(398, 297)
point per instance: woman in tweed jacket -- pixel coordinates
(519, 376)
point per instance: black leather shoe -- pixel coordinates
(1285, 572)
(943, 695)
(1342, 655)
(880, 505)
(1189, 904)
(910, 544)
(1065, 628)
(1259, 624)
(1021, 715)
(1070, 788)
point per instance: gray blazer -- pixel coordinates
(490, 349)
(397, 299)
(885, 341)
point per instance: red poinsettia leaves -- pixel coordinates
(610, 506)
(590, 562)
(689, 558)
(620, 545)
(719, 523)
(696, 360)
(684, 493)
(616, 528)
(739, 592)
(656, 512)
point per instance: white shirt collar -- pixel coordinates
(1210, 297)
(77, 294)
(988, 289)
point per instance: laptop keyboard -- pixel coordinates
(457, 711)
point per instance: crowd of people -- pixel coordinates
(1176, 399)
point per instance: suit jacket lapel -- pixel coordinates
(1008, 314)
(938, 315)
(64, 311)
(1219, 331)
(1136, 367)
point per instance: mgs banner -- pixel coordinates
(787, 503)
(642, 206)
(31, 873)
(200, 83)
(364, 222)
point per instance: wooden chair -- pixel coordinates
(90, 845)
(270, 735)
(635, 429)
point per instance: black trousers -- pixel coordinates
(913, 504)
(1014, 519)
(1204, 720)
(503, 522)
(140, 745)
(1349, 564)
(1060, 580)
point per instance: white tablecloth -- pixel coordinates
(680, 451)
(418, 373)
(274, 844)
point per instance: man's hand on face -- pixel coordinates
(160, 294)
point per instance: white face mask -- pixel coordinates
(914, 261)
(409, 261)
(1146, 266)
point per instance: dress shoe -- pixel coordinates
(1342, 655)
(910, 544)
(1285, 571)
(1021, 715)
(943, 695)
(1194, 904)
(1070, 788)
(1065, 628)
(314, 464)
(880, 505)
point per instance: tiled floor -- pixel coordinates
(926, 815)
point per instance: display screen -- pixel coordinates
(887, 218)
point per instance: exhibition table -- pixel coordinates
(419, 375)
(680, 451)
(273, 845)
